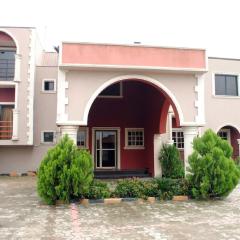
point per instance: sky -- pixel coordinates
(210, 24)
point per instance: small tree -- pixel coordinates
(65, 172)
(172, 166)
(213, 173)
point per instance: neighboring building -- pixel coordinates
(122, 102)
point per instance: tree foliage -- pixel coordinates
(65, 172)
(172, 166)
(213, 173)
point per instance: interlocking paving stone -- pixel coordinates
(24, 216)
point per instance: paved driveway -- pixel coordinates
(23, 216)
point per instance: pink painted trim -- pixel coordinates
(73, 53)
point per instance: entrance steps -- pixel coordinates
(118, 174)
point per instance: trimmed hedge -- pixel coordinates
(163, 188)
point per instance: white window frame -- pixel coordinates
(87, 137)
(54, 137)
(225, 73)
(226, 130)
(178, 130)
(134, 146)
(119, 96)
(49, 80)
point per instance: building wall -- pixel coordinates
(221, 111)
(83, 84)
(25, 40)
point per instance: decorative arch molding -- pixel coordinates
(141, 78)
(13, 38)
(227, 125)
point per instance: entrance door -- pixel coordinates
(105, 149)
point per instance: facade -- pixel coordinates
(122, 102)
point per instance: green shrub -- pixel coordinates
(65, 172)
(213, 173)
(172, 187)
(98, 190)
(151, 189)
(172, 166)
(129, 188)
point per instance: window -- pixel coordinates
(134, 138)
(7, 65)
(226, 85)
(48, 137)
(49, 85)
(6, 121)
(224, 134)
(82, 138)
(114, 90)
(178, 138)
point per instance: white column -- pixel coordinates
(190, 132)
(238, 147)
(17, 72)
(170, 140)
(157, 148)
(71, 131)
(15, 124)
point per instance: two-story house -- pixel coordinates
(122, 102)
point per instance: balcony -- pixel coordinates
(7, 68)
(6, 130)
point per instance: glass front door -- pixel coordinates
(105, 149)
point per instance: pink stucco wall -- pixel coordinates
(76, 53)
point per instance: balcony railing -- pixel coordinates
(7, 68)
(6, 129)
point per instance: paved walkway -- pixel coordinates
(23, 216)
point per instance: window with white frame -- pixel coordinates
(226, 85)
(48, 137)
(178, 138)
(224, 134)
(82, 137)
(134, 138)
(49, 85)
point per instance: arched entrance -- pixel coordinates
(232, 135)
(123, 121)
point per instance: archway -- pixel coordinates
(231, 134)
(141, 78)
(122, 127)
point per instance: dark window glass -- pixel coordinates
(226, 85)
(49, 85)
(7, 65)
(48, 136)
(113, 90)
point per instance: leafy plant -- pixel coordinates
(172, 166)
(213, 173)
(172, 187)
(65, 172)
(98, 190)
(131, 188)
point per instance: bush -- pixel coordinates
(65, 172)
(172, 166)
(172, 187)
(164, 188)
(129, 188)
(98, 190)
(213, 173)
